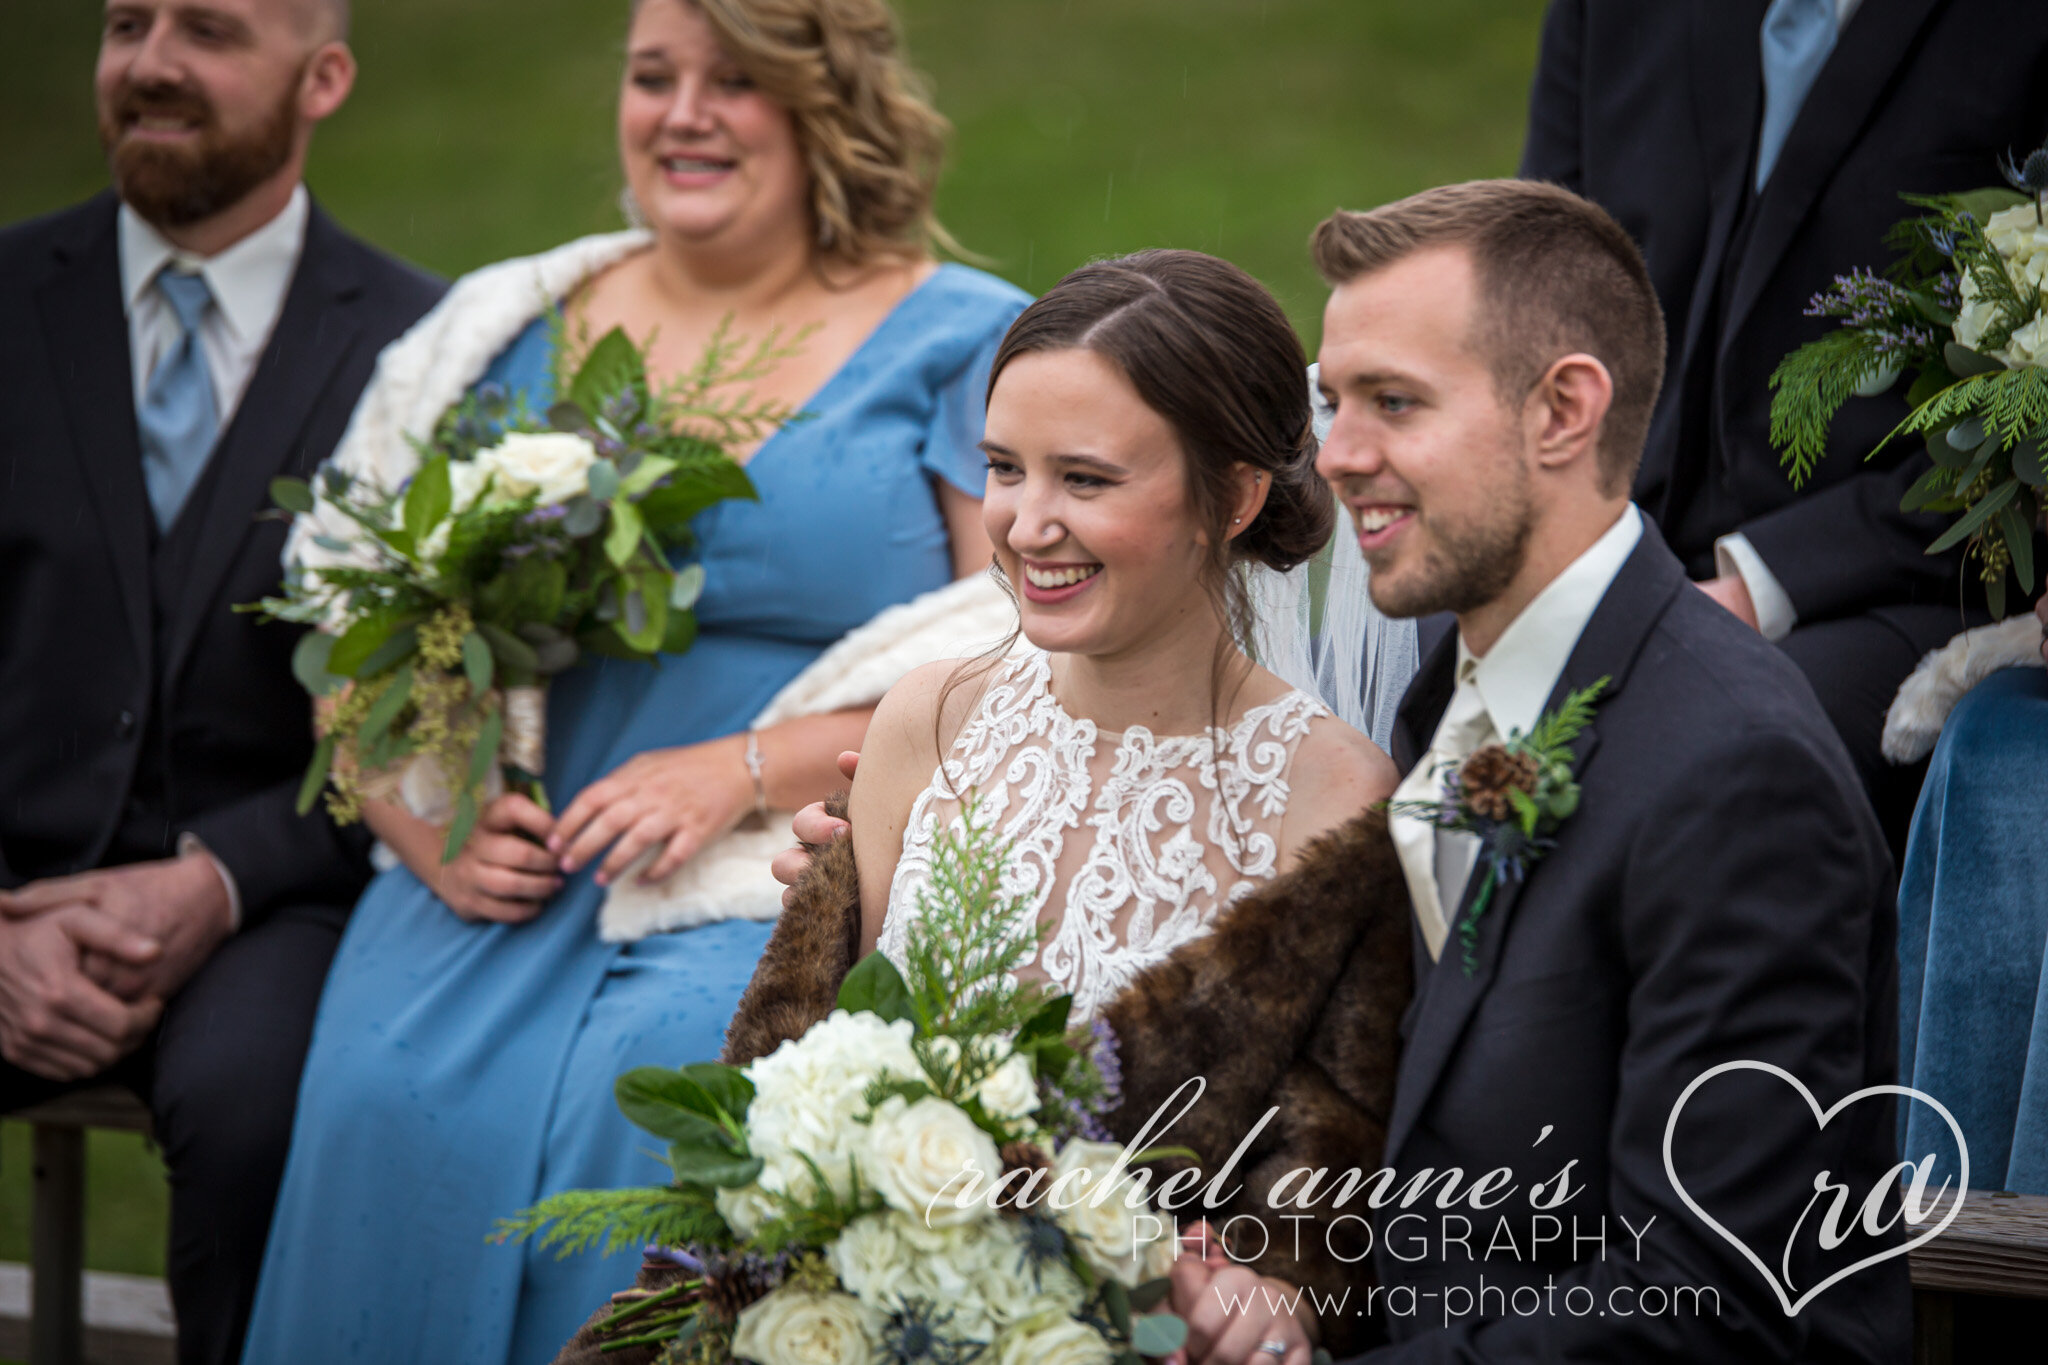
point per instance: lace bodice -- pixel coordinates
(1176, 832)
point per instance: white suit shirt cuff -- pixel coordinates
(1775, 617)
(189, 844)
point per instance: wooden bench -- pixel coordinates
(57, 1328)
(1997, 1247)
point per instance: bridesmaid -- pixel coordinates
(462, 1065)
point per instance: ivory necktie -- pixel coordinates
(1797, 37)
(1440, 863)
(179, 417)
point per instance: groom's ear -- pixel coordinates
(1566, 411)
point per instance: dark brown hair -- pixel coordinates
(1208, 349)
(1556, 275)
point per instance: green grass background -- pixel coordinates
(483, 128)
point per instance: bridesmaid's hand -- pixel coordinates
(676, 799)
(503, 875)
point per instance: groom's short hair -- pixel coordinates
(1556, 274)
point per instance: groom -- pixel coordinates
(1721, 893)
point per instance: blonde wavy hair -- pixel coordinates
(871, 139)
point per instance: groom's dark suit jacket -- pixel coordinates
(1722, 894)
(1651, 111)
(134, 702)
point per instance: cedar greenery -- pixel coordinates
(1984, 422)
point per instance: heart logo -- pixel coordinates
(1793, 1306)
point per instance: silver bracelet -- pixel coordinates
(754, 771)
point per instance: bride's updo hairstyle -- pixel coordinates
(1208, 349)
(871, 139)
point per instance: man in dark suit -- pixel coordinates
(1755, 149)
(1721, 894)
(166, 919)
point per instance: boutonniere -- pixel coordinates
(1513, 797)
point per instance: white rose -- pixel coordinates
(1056, 1341)
(810, 1092)
(1010, 1091)
(790, 1327)
(2029, 345)
(552, 465)
(1115, 1236)
(922, 1157)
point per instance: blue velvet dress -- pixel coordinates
(460, 1072)
(1973, 927)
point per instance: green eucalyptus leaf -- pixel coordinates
(624, 536)
(1116, 1304)
(582, 516)
(1930, 381)
(604, 480)
(681, 632)
(1994, 597)
(1964, 362)
(1984, 510)
(403, 644)
(1980, 461)
(512, 653)
(459, 827)
(568, 417)
(1945, 453)
(1158, 1334)
(556, 656)
(476, 663)
(427, 499)
(309, 663)
(2019, 541)
(648, 471)
(687, 587)
(316, 774)
(1928, 488)
(385, 709)
(293, 495)
(2030, 462)
(1151, 1294)
(485, 752)
(1967, 434)
(876, 987)
(353, 647)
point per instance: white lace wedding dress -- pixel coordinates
(1175, 831)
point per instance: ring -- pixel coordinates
(1275, 1349)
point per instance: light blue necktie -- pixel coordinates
(179, 417)
(1798, 35)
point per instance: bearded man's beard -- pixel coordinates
(1464, 567)
(173, 186)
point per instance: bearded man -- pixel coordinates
(170, 347)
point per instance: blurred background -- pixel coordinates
(481, 129)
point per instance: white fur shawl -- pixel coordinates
(1926, 697)
(424, 372)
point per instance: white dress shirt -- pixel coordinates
(1733, 554)
(249, 281)
(1498, 694)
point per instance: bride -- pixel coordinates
(1185, 826)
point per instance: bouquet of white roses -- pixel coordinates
(919, 1177)
(519, 542)
(1961, 310)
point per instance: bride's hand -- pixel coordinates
(677, 799)
(1232, 1311)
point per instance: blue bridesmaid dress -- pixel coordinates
(1973, 940)
(461, 1072)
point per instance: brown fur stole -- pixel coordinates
(1292, 1001)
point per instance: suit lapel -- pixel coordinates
(315, 330)
(1447, 996)
(1844, 95)
(86, 328)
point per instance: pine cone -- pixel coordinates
(1490, 774)
(732, 1283)
(1029, 1158)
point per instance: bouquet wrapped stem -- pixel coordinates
(520, 543)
